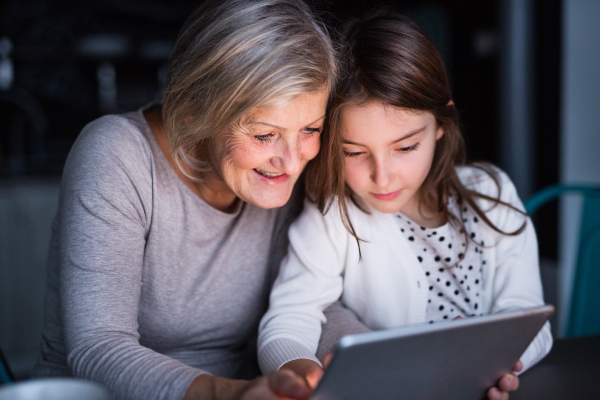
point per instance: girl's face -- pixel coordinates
(389, 152)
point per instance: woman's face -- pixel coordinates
(260, 159)
(389, 152)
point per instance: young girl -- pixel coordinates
(407, 232)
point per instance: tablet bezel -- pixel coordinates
(386, 360)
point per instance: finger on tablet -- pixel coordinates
(327, 359)
(313, 376)
(495, 394)
(518, 366)
(508, 383)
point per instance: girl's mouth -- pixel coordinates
(387, 196)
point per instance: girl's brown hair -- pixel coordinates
(388, 58)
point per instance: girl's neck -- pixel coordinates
(423, 216)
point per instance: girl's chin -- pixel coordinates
(386, 207)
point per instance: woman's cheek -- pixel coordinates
(249, 156)
(311, 148)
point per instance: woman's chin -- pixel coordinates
(269, 197)
(268, 203)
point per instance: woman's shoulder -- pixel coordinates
(112, 141)
(114, 134)
(111, 154)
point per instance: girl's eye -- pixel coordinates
(311, 131)
(264, 138)
(409, 148)
(352, 154)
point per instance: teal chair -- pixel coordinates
(6, 376)
(584, 312)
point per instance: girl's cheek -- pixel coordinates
(357, 174)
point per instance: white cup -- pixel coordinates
(54, 389)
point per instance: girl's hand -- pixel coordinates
(508, 383)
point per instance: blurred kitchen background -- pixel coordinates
(525, 76)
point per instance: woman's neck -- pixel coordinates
(212, 189)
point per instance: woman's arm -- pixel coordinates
(104, 214)
(341, 321)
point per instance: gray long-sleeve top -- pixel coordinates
(149, 286)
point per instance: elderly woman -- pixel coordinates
(170, 227)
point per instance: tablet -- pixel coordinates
(458, 359)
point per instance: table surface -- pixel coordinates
(570, 371)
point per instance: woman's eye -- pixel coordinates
(312, 131)
(409, 148)
(264, 138)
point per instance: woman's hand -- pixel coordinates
(282, 384)
(508, 383)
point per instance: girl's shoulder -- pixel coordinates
(488, 180)
(312, 219)
(499, 199)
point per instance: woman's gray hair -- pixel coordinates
(234, 55)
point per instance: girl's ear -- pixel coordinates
(439, 133)
(440, 129)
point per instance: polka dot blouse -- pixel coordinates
(453, 268)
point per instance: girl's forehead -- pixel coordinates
(382, 118)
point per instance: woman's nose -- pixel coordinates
(289, 160)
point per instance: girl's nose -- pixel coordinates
(381, 175)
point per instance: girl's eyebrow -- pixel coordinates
(282, 128)
(407, 136)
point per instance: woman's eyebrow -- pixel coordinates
(280, 127)
(408, 135)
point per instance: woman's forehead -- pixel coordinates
(303, 109)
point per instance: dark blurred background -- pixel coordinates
(65, 63)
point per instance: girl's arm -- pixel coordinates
(309, 281)
(517, 281)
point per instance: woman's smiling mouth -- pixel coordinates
(270, 177)
(268, 174)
